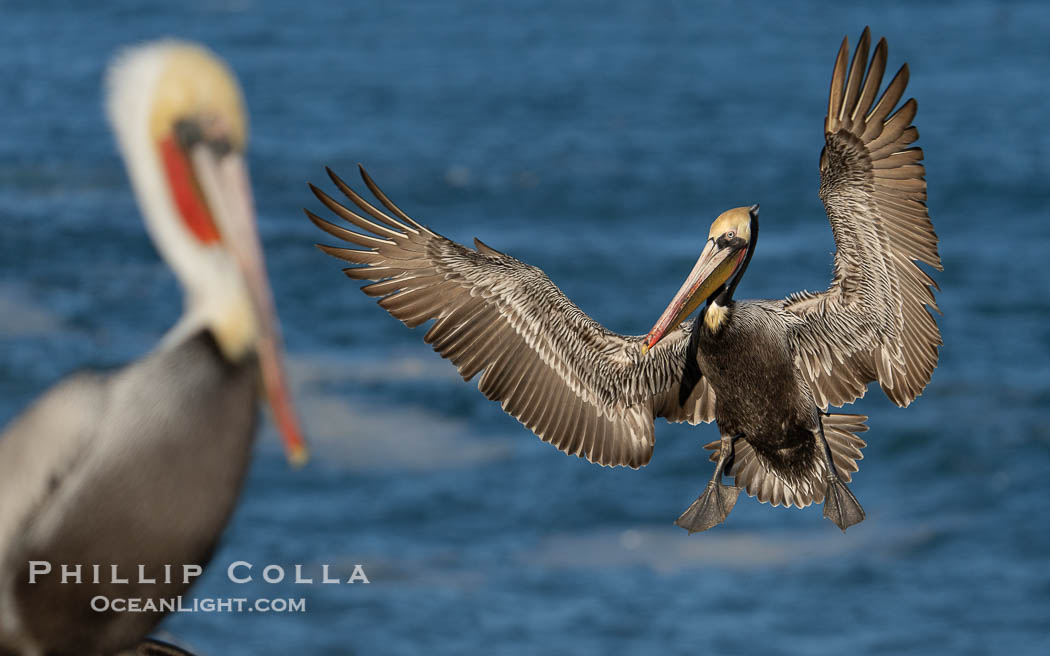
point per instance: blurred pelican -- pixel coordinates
(766, 371)
(143, 466)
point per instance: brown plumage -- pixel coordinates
(585, 390)
(765, 370)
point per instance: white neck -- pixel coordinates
(223, 307)
(213, 289)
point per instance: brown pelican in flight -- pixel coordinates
(141, 467)
(766, 371)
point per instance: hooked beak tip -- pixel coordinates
(645, 347)
(298, 455)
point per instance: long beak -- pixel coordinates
(711, 270)
(224, 181)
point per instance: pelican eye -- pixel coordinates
(730, 234)
(190, 132)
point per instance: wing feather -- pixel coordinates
(874, 321)
(578, 386)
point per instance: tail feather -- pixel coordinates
(751, 471)
(841, 433)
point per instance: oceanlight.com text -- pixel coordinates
(102, 604)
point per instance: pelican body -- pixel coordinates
(766, 371)
(142, 467)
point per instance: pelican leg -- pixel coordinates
(714, 503)
(840, 506)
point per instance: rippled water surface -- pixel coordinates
(597, 142)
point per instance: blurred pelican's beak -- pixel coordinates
(223, 179)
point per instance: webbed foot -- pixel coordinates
(840, 506)
(710, 509)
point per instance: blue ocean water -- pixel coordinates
(597, 141)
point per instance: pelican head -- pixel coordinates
(730, 243)
(180, 122)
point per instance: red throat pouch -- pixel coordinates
(187, 194)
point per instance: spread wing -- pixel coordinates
(578, 386)
(872, 323)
